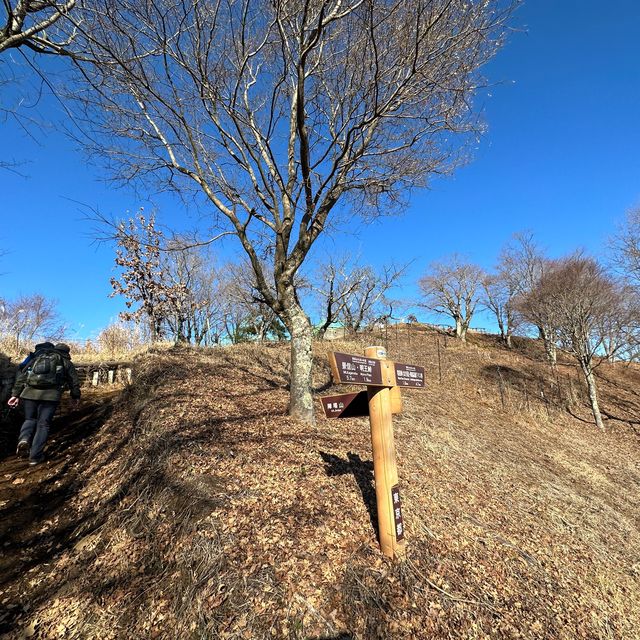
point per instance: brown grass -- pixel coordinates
(202, 511)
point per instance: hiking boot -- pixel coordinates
(34, 462)
(23, 449)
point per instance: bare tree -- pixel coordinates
(499, 298)
(580, 299)
(352, 294)
(331, 287)
(521, 266)
(194, 308)
(620, 330)
(453, 288)
(28, 23)
(286, 113)
(246, 317)
(626, 248)
(27, 318)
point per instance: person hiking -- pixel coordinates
(39, 386)
(32, 354)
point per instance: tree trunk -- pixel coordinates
(593, 393)
(549, 346)
(298, 325)
(550, 350)
(507, 340)
(461, 331)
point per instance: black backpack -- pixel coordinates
(46, 371)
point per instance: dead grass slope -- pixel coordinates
(202, 511)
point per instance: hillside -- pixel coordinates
(190, 506)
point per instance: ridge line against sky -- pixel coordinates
(560, 158)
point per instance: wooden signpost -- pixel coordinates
(382, 398)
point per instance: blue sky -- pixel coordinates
(561, 158)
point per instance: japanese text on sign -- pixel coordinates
(346, 405)
(358, 369)
(397, 512)
(409, 375)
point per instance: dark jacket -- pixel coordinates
(22, 390)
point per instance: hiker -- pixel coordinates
(32, 354)
(39, 385)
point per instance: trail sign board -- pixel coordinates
(354, 369)
(397, 512)
(354, 405)
(382, 398)
(351, 369)
(346, 405)
(409, 375)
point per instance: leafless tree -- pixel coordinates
(27, 318)
(620, 331)
(581, 300)
(28, 23)
(452, 288)
(626, 248)
(195, 308)
(331, 287)
(521, 265)
(284, 114)
(352, 294)
(499, 297)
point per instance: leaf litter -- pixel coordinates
(191, 506)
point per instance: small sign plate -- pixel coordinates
(409, 375)
(346, 405)
(397, 512)
(357, 369)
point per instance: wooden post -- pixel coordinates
(111, 376)
(96, 376)
(396, 400)
(390, 524)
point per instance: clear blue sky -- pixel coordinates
(561, 158)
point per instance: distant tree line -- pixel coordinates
(576, 304)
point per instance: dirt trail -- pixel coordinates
(31, 496)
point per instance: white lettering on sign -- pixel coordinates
(358, 369)
(409, 375)
(397, 512)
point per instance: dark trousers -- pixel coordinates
(38, 416)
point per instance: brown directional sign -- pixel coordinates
(346, 405)
(353, 405)
(354, 369)
(409, 375)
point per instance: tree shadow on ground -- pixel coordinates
(362, 471)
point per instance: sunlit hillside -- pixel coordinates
(189, 505)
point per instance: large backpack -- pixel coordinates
(46, 370)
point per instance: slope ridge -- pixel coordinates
(200, 510)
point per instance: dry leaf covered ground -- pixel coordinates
(190, 506)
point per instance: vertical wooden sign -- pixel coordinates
(383, 380)
(385, 471)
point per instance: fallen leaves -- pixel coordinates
(204, 511)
